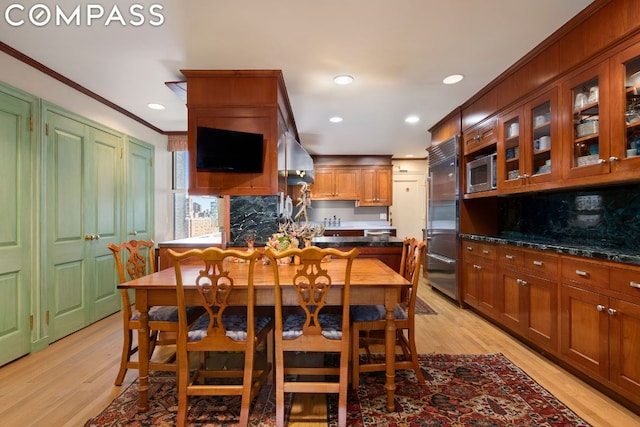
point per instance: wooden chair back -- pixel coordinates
(370, 331)
(307, 324)
(223, 273)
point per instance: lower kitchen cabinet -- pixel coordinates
(582, 311)
(479, 276)
(600, 330)
(528, 302)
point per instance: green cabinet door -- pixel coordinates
(15, 225)
(82, 215)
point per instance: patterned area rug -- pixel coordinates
(461, 390)
(423, 308)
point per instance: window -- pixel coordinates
(193, 216)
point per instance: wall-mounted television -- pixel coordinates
(222, 150)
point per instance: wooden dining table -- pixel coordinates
(372, 282)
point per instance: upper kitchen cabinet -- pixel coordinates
(376, 186)
(585, 113)
(335, 183)
(480, 136)
(527, 143)
(625, 112)
(252, 101)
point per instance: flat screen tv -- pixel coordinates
(222, 150)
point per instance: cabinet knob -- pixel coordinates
(486, 252)
(613, 159)
(133, 233)
(469, 248)
(88, 237)
(612, 311)
(582, 273)
(600, 307)
(538, 263)
(510, 257)
(521, 282)
(602, 161)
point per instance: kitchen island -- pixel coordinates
(386, 248)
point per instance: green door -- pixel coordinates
(15, 226)
(140, 188)
(83, 193)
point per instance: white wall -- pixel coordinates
(28, 79)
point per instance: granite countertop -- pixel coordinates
(338, 241)
(356, 225)
(595, 252)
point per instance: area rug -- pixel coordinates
(423, 308)
(461, 390)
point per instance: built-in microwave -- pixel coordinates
(481, 174)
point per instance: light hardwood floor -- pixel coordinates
(72, 380)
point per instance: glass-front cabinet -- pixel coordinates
(625, 112)
(528, 140)
(586, 148)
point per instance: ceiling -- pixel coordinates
(398, 51)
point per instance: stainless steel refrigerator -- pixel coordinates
(442, 228)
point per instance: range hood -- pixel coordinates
(294, 160)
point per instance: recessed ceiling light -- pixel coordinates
(452, 79)
(335, 119)
(412, 119)
(154, 106)
(343, 79)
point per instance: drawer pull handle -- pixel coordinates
(477, 267)
(582, 273)
(510, 257)
(469, 248)
(484, 251)
(634, 284)
(538, 263)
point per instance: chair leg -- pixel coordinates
(414, 357)
(280, 391)
(126, 356)
(342, 393)
(183, 379)
(355, 357)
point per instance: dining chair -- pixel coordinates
(368, 321)
(131, 263)
(306, 324)
(221, 330)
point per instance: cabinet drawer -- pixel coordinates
(584, 272)
(510, 257)
(626, 280)
(542, 264)
(480, 249)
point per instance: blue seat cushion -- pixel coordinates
(235, 326)
(330, 323)
(165, 313)
(368, 313)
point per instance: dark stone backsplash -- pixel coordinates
(603, 217)
(252, 213)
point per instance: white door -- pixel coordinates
(408, 212)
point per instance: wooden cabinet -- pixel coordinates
(585, 111)
(479, 276)
(625, 113)
(480, 136)
(253, 101)
(583, 311)
(527, 288)
(336, 183)
(600, 321)
(376, 186)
